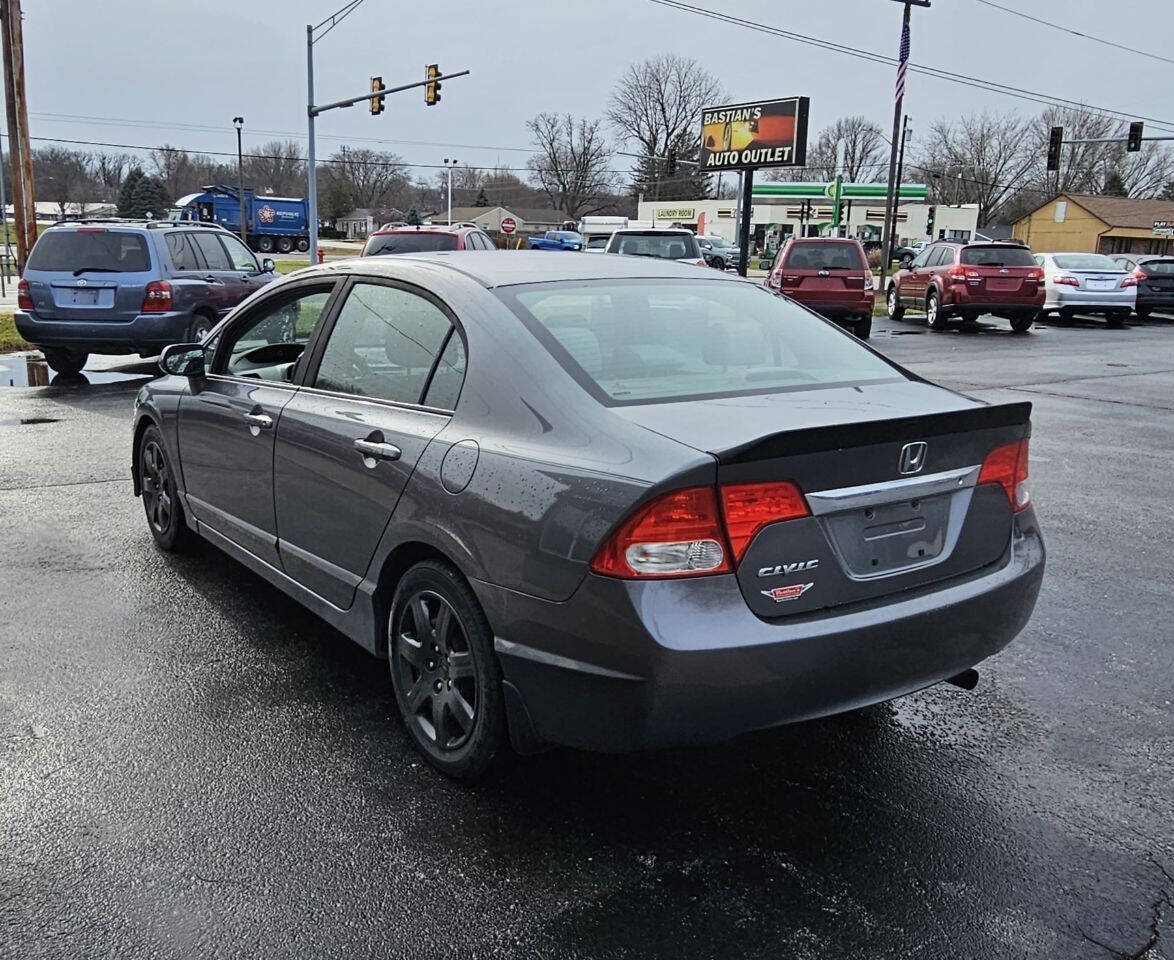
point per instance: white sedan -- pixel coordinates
(1087, 283)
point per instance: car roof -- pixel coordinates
(501, 268)
(424, 228)
(824, 239)
(120, 223)
(675, 231)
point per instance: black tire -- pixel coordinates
(935, 316)
(449, 697)
(893, 304)
(161, 503)
(62, 360)
(303, 244)
(1067, 315)
(202, 325)
(265, 244)
(1022, 323)
(717, 263)
(1116, 320)
(1143, 313)
(862, 327)
(285, 245)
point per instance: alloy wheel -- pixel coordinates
(157, 487)
(435, 670)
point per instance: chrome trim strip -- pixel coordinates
(850, 498)
(378, 401)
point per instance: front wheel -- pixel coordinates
(1116, 320)
(446, 677)
(1022, 324)
(61, 360)
(160, 496)
(934, 315)
(893, 304)
(718, 263)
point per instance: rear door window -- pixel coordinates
(824, 256)
(93, 249)
(997, 257)
(184, 255)
(212, 251)
(384, 344)
(941, 256)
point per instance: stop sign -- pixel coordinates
(508, 225)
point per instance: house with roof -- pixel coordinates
(527, 219)
(1083, 223)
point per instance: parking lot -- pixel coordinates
(192, 765)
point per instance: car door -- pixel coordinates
(248, 272)
(194, 284)
(229, 288)
(228, 419)
(378, 389)
(915, 281)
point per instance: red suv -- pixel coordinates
(829, 275)
(404, 239)
(966, 280)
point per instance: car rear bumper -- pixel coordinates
(1091, 300)
(147, 332)
(623, 665)
(1156, 301)
(842, 309)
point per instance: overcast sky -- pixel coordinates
(166, 71)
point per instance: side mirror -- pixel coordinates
(906, 263)
(183, 359)
(267, 265)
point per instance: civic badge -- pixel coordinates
(792, 592)
(912, 457)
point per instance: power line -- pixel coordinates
(1075, 33)
(936, 72)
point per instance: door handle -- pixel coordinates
(377, 450)
(259, 421)
(212, 279)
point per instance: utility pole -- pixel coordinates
(24, 209)
(898, 104)
(892, 224)
(239, 123)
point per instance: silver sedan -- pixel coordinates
(1087, 283)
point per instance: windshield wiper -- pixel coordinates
(81, 270)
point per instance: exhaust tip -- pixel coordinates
(967, 679)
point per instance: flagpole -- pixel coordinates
(898, 103)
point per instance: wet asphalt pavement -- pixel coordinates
(191, 766)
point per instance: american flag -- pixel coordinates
(903, 64)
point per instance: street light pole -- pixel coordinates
(239, 123)
(311, 170)
(449, 170)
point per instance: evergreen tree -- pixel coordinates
(661, 179)
(482, 200)
(413, 218)
(1114, 185)
(126, 192)
(150, 196)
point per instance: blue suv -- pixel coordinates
(130, 286)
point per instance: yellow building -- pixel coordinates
(1079, 223)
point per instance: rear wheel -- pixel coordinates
(893, 304)
(934, 315)
(160, 498)
(1143, 313)
(285, 245)
(303, 244)
(65, 361)
(265, 244)
(1117, 319)
(862, 327)
(446, 677)
(202, 325)
(1023, 322)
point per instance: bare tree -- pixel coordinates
(107, 171)
(657, 104)
(865, 153)
(276, 167)
(63, 175)
(371, 178)
(981, 158)
(572, 164)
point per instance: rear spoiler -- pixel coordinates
(820, 439)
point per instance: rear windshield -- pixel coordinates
(824, 256)
(1158, 268)
(98, 251)
(997, 257)
(410, 243)
(1085, 261)
(594, 242)
(564, 235)
(666, 246)
(648, 340)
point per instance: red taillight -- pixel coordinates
(157, 297)
(1007, 466)
(956, 272)
(1140, 274)
(1128, 282)
(1036, 274)
(678, 534)
(91, 229)
(1066, 281)
(683, 533)
(748, 507)
(24, 299)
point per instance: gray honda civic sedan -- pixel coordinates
(605, 502)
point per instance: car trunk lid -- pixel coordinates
(997, 273)
(89, 274)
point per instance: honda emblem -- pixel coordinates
(912, 457)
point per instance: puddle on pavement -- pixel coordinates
(31, 370)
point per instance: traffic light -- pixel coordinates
(377, 102)
(1133, 144)
(1054, 143)
(432, 88)
(929, 219)
(670, 166)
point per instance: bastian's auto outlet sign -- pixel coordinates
(768, 133)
